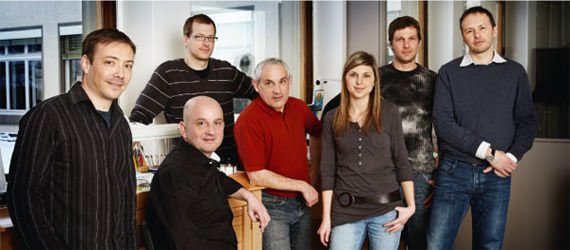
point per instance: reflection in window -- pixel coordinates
(551, 63)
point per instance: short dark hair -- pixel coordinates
(476, 9)
(402, 23)
(104, 36)
(199, 18)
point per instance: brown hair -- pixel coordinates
(199, 18)
(104, 36)
(402, 23)
(476, 9)
(373, 117)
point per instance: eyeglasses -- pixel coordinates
(201, 38)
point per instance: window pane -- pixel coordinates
(3, 85)
(17, 85)
(2, 50)
(16, 49)
(75, 70)
(34, 48)
(35, 80)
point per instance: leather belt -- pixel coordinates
(346, 199)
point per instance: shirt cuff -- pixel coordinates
(482, 150)
(512, 157)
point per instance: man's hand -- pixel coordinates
(257, 212)
(310, 195)
(502, 165)
(429, 197)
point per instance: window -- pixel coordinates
(70, 47)
(21, 73)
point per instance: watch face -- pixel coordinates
(490, 157)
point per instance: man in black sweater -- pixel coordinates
(485, 121)
(176, 81)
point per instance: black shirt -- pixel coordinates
(188, 202)
(72, 181)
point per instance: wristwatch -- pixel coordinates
(490, 157)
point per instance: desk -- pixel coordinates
(247, 231)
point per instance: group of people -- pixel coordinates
(72, 181)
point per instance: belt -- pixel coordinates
(346, 199)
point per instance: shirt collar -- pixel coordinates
(268, 109)
(78, 95)
(468, 61)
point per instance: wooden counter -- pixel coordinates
(5, 228)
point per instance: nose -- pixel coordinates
(276, 89)
(120, 71)
(210, 130)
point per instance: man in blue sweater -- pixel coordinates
(485, 121)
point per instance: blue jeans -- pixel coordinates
(290, 224)
(351, 235)
(458, 186)
(415, 232)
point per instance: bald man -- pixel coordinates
(188, 206)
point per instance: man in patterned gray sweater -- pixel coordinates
(176, 81)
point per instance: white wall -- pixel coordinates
(156, 29)
(329, 43)
(444, 38)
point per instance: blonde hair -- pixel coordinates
(373, 118)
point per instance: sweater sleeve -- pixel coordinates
(525, 118)
(398, 146)
(328, 155)
(244, 86)
(446, 126)
(33, 157)
(153, 99)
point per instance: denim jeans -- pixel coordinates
(290, 224)
(458, 186)
(351, 235)
(415, 232)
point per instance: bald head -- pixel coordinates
(203, 125)
(203, 102)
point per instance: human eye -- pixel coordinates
(199, 37)
(200, 124)
(129, 66)
(219, 123)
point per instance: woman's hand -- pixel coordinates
(324, 231)
(404, 214)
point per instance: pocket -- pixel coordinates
(447, 166)
(272, 200)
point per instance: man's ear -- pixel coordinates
(182, 129)
(85, 64)
(186, 40)
(254, 83)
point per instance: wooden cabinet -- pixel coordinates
(247, 231)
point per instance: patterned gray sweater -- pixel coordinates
(412, 92)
